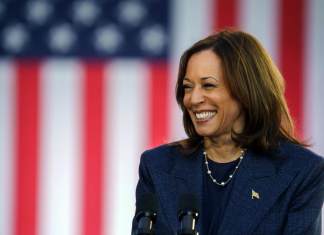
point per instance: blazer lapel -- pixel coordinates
(257, 186)
(186, 177)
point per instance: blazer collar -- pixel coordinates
(257, 185)
(257, 173)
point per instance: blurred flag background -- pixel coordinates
(86, 86)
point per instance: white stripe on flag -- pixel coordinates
(191, 21)
(60, 148)
(314, 76)
(126, 137)
(7, 106)
(260, 18)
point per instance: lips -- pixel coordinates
(204, 115)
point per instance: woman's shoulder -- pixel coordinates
(299, 157)
(166, 156)
(299, 153)
(162, 151)
(161, 156)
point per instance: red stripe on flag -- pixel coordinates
(226, 14)
(291, 56)
(158, 103)
(93, 148)
(27, 152)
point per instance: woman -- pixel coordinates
(250, 173)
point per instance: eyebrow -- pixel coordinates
(203, 78)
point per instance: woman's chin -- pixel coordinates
(204, 132)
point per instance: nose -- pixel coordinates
(197, 96)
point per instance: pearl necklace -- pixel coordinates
(223, 183)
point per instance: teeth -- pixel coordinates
(204, 115)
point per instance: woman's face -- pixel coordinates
(213, 111)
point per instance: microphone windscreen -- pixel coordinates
(187, 202)
(147, 202)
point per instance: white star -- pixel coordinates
(61, 38)
(38, 11)
(131, 12)
(85, 12)
(107, 39)
(153, 39)
(14, 38)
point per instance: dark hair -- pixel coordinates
(254, 81)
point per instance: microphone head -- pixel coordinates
(188, 204)
(146, 205)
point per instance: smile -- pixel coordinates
(204, 116)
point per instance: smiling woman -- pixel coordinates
(213, 110)
(245, 70)
(241, 159)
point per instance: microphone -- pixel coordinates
(188, 214)
(145, 215)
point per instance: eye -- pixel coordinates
(186, 87)
(209, 85)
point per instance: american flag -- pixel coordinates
(86, 86)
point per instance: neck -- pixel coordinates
(221, 150)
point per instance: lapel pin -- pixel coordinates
(255, 195)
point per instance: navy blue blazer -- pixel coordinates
(290, 185)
